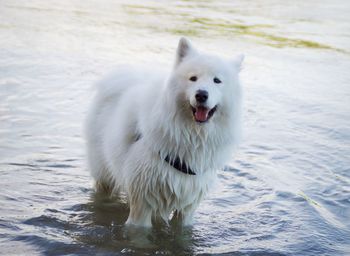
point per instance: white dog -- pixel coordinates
(161, 137)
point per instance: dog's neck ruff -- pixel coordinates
(179, 165)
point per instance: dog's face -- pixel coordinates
(204, 85)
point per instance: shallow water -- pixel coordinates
(285, 192)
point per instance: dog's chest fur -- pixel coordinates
(171, 190)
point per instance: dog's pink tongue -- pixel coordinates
(201, 114)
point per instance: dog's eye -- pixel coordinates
(193, 78)
(217, 80)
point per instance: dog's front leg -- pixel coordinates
(140, 214)
(187, 218)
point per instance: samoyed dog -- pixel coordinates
(159, 137)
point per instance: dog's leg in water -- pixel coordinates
(140, 214)
(187, 219)
(185, 216)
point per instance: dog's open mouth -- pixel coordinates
(202, 114)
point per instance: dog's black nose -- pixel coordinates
(201, 96)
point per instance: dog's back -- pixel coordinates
(111, 118)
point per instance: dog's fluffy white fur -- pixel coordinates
(140, 116)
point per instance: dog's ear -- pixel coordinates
(237, 61)
(184, 49)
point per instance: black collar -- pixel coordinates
(178, 165)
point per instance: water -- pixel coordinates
(285, 192)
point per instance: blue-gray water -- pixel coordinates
(285, 192)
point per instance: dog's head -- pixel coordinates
(205, 86)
